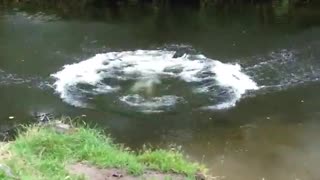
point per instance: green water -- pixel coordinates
(271, 133)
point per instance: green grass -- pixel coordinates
(40, 152)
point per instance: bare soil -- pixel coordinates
(94, 173)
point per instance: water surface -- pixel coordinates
(237, 88)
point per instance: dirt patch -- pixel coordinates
(3, 145)
(4, 153)
(94, 173)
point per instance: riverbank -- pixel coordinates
(67, 151)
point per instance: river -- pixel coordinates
(237, 87)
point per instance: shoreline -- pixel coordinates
(59, 150)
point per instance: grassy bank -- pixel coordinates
(44, 152)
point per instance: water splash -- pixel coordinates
(147, 68)
(159, 80)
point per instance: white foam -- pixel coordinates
(230, 75)
(74, 74)
(141, 64)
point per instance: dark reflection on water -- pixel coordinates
(271, 133)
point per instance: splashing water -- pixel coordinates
(157, 81)
(106, 74)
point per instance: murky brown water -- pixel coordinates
(272, 131)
